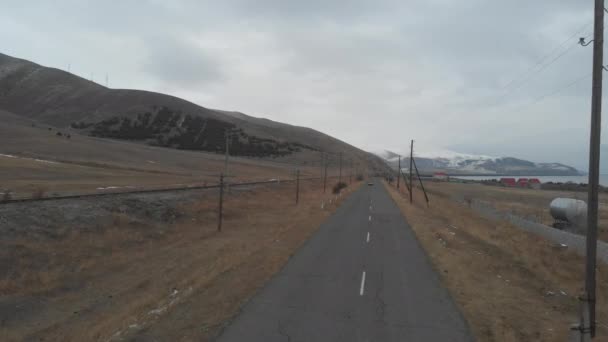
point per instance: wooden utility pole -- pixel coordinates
(297, 186)
(399, 172)
(411, 162)
(227, 155)
(322, 164)
(340, 177)
(405, 182)
(421, 185)
(325, 176)
(588, 323)
(221, 204)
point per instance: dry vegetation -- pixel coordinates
(169, 282)
(510, 285)
(31, 178)
(32, 155)
(528, 203)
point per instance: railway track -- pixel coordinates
(152, 190)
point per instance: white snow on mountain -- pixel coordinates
(450, 157)
(446, 160)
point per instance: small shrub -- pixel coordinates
(39, 193)
(359, 177)
(338, 187)
(468, 200)
(7, 196)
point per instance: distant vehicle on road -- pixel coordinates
(370, 183)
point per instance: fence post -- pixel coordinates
(297, 186)
(221, 205)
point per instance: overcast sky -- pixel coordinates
(456, 75)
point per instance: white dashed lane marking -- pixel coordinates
(362, 289)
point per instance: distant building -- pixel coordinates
(508, 182)
(522, 182)
(441, 176)
(534, 183)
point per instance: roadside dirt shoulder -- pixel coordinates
(509, 284)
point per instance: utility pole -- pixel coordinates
(227, 153)
(587, 326)
(226, 157)
(340, 177)
(221, 204)
(325, 174)
(411, 162)
(297, 186)
(421, 185)
(399, 172)
(350, 178)
(322, 164)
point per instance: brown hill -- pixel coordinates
(61, 99)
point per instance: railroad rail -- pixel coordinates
(149, 191)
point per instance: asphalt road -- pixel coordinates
(361, 277)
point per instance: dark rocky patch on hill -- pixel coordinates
(168, 128)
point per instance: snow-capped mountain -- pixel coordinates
(461, 163)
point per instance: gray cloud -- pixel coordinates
(181, 64)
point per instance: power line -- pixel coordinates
(525, 80)
(545, 57)
(554, 92)
(541, 65)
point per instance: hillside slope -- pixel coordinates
(55, 97)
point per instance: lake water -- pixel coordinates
(543, 179)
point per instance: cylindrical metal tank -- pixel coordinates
(569, 209)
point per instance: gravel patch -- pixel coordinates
(57, 218)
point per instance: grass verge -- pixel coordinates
(509, 284)
(137, 280)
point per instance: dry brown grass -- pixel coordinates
(508, 283)
(176, 282)
(25, 176)
(528, 203)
